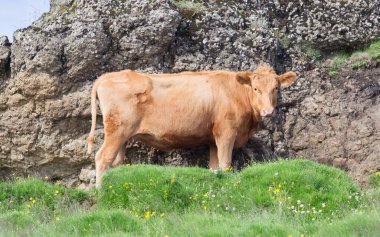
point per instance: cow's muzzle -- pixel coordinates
(267, 112)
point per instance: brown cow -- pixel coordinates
(172, 111)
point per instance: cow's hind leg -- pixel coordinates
(213, 162)
(106, 155)
(120, 156)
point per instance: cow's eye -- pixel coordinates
(255, 89)
(276, 88)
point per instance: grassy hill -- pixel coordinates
(284, 198)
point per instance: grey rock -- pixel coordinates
(5, 53)
(330, 25)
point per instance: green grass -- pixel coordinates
(374, 50)
(97, 222)
(144, 188)
(333, 73)
(288, 197)
(358, 59)
(357, 224)
(35, 193)
(374, 180)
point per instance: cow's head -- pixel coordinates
(265, 84)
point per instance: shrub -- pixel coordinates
(188, 8)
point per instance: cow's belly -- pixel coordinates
(175, 127)
(169, 142)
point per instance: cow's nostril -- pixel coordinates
(266, 112)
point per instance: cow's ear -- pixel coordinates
(243, 78)
(287, 79)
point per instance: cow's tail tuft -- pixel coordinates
(90, 139)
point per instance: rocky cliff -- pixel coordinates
(47, 72)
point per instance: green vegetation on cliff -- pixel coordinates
(360, 58)
(285, 198)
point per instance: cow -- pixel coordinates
(221, 109)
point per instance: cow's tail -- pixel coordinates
(90, 139)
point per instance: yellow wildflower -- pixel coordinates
(147, 215)
(134, 213)
(377, 173)
(110, 186)
(162, 215)
(166, 235)
(57, 218)
(30, 198)
(276, 190)
(28, 206)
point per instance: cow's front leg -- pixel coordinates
(213, 163)
(225, 145)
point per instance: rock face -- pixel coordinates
(46, 77)
(328, 24)
(5, 53)
(336, 121)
